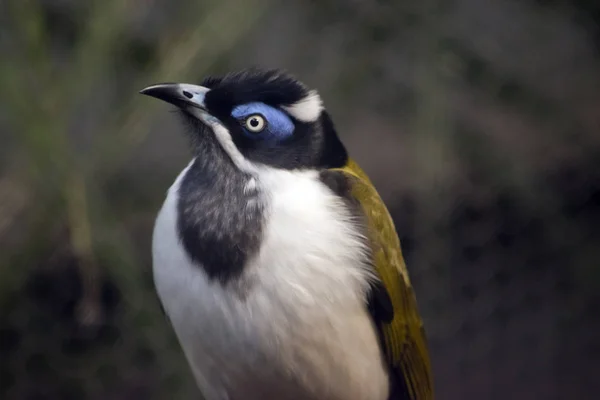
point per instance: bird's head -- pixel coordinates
(258, 118)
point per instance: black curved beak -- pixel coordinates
(182, 95)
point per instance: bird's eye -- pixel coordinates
(255, 123)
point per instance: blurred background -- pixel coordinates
(478, 120)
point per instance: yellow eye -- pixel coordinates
(255, 123)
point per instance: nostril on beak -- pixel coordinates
(187, 94)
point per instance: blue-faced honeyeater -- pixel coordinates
(274, 257)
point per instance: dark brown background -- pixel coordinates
(479, 121)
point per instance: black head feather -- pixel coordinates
(273, 87)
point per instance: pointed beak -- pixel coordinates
(182, 95)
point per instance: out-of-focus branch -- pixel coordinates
(89, 310)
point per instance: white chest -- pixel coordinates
(294, 326)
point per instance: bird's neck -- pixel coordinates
(220, 214)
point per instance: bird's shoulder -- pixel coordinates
(392, 302)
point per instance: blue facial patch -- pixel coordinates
(278, 124)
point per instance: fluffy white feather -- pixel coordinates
(294, 326)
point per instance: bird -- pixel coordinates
(275, 259)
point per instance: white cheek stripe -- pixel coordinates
(307, 109)
(224, 137)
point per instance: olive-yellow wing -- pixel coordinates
(392, 304)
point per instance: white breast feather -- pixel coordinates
(295, 324)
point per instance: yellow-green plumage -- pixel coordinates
(403, 341)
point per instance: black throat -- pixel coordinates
(220, 216)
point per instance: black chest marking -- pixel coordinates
(220, 216)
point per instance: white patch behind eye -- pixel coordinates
(307, 109)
